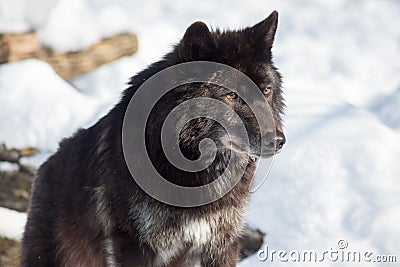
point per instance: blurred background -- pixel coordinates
(65, 63)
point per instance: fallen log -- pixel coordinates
(14, 47)
(18, 46)
(15, 184)
(13, 155)
(9, 252)
(250, 241)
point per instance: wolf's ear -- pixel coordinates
(196, 43)
(266, 29)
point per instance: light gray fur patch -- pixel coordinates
(109, 248)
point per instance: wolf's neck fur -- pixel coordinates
(219, 165)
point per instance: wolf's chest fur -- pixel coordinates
(171, 234)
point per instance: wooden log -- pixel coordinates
(9, 155)
(72, 64)
(13, 155)
(250, 241)
(18, 46)
(9, 252)
(14, 47)
(15, 185)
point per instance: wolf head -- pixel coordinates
(249, 51)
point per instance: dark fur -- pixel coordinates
(84, 197)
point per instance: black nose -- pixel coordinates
(280, 140)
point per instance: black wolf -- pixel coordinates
(86, 210)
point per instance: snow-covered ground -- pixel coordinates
(338, 176)
(12, 223)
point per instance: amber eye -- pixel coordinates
(232, 95)
(267, 90)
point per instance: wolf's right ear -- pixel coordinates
(196, 43)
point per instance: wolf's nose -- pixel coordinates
(280, 140)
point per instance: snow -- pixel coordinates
(387, 108)
(7, 166)
(12, 223)
(337, 177)
(24, 15)
(39, 108)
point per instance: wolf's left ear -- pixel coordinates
(266, 29)
(196, 43)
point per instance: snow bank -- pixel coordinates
(38, 108)
(387, 109)
(12, 223)
(24, 15)
(337, 178)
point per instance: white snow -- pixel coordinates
(336, 179)
(338, 175)
(6, 166)
(387, 109)
(24, 15)
(12, 223)
(39, 108)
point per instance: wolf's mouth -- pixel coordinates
(263, 155)
(252, 153)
